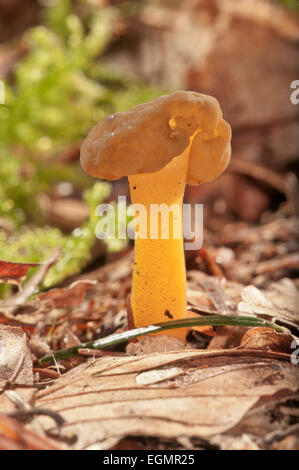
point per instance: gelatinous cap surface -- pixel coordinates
(148, 136)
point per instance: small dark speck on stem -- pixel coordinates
(168, 314)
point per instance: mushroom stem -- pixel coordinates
(159, 276)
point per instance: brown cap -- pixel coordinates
(148, 136)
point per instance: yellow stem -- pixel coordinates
(159, 276)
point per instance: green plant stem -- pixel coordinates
(212, 320)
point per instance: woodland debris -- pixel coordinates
(154, 344)
(15, 357)
(11, 305)
(14, 436)
(267, 339)
(198, 387)
(14, 272)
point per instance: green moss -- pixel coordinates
(292, 4)
(59, 90)
(36, 245)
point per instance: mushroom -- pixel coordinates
(161, 146)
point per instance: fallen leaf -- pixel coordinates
(15, 357)
(176, 394)
(14, 272)
(153, 344)
(68, 297)
(284, 294)
(268, 340)
(266, 422)
(254, 302)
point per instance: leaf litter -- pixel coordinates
(225, 387)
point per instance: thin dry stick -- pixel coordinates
(12, 304)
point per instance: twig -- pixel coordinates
(212, 320)
(12, 304)
(212, 264)
(130, 313)
(24, 409)
(21, 414)
(19, 403)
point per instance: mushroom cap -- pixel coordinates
(147, 137)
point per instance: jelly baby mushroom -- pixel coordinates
(177, 139)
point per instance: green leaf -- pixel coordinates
(112, 340)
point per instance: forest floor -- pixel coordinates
(230, 387)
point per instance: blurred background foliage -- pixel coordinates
(293, 4)
(62, 79)
(60, 88)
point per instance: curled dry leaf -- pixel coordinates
(15, 357)
(256, 303)
(184, 393)
(267, 339)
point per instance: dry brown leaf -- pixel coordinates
(176, 394)
(270, 420)
(285, 295)
(14, 272)
(153, 344)
(268, 340)
(255, 302)
(67, 297)
(15, 357)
